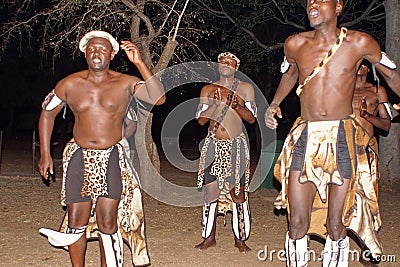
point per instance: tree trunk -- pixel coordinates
(389, 160)
(147, 152)
(389, 146)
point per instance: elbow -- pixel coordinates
(47, 116)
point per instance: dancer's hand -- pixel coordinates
(363, 108)
(270, 120)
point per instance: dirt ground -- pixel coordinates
(27, 204)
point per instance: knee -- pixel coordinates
(77, 221)
(212, 192)
(298, 226)
(240, 198)
(335, 227)
(107, 224)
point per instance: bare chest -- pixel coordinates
(105, 98)
(330, 66)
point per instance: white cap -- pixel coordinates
(93, 34)
(230, 55)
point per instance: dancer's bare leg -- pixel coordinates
(337, 196)
(301, 198)
(106, 215)
(336, 249)
(78, 216)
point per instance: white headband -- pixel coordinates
(230, 55)
(93, 34)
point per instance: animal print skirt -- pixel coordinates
(130, 209)
(361, 210)
(228, 158)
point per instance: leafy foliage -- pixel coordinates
(258, 28)
(174, 31)
(59, 24)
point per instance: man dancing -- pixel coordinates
(100, 186)
(371, 108)
(326, 143)
(225, 161)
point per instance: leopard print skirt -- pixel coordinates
(226, 160)
(130, 220)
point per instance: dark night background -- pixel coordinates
(26, 78)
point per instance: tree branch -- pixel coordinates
(225, 15)
(179, 20)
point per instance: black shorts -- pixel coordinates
(75, 178)
(343, 160)
(209, 178)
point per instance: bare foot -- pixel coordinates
(241, 245)
(207, 243)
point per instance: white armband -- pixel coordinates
(137, 84)
(51, 101)
(252, 107)
(200, 109)
(386, 61)
(285, 65)
(388, 110)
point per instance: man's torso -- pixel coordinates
(231, 125)
(99, 108)
(327, 96)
